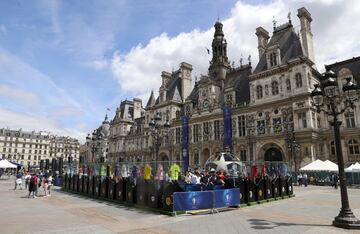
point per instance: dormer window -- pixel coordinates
(298, 80)
(273, 60)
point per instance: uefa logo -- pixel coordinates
(152, 198)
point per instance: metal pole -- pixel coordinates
(346, 218)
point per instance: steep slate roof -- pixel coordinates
(352, 64)
(151, 100)
(194, 95)
(289, 43)
(239, 80)
(171, 87)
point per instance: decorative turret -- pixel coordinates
(219, 64)
(306, 34)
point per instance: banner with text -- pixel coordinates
(227, 128)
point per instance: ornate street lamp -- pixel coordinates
(156, 134)
(328, 95)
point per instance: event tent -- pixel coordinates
(331, 166)
(6, 164)
(353, 167)
(316, 165)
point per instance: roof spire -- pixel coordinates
(289, 16)
(274, 22)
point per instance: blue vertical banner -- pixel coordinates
(227, 128)
(185, 142)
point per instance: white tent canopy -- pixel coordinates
(331, 166)
(353, 168)
(319, 165)
(316, 165)
(6, 164)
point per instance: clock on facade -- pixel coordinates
(206, 104)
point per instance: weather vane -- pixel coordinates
(274, 22)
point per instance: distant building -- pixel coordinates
(29, 148)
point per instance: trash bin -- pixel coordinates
(167, 198)
(85, 184)
(241, 186)
(71, 183)
(120, 190)
(289, 186)
(156, 193)
(103, 187)
(250, 191)
(275, 187)
(140, 192)
(268, 188)
(111, 189)
(259, 188)
(130, 190)
(97, 184)
(282, 186)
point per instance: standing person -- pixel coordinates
(49, 185)
(27, 180)
(305, 177)
(300, 179)
(37, 184)
(33, 185)
(44, 185)
(18, 181)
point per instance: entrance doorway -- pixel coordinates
(273, 154)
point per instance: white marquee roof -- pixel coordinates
(6, 164)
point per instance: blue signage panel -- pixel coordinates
(184, 201)
(227, 197)
(227, 128)
(185, 142)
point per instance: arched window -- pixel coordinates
(288, 85)
(298, 80)
(273, 61)
(274, 88)
(259, 92)
(332, 148)
(353, 146)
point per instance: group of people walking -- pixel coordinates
(35, 183)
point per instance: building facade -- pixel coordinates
(270, 105)
(29, 148)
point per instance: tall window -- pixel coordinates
(196, 158)
(274, 88)
(273, 60)
(288, 85)
(302, 120)
(350, 119)
(242, 125)
(261, 127)
(277, 125)
(206, 131)
(196, 132)
(177, 135)
(259, 92)
(243, 155)
(298, 80)
(332, 148)
(217, 129)
(353, 146)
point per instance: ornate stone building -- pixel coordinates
(270, 103)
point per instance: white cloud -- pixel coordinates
(20, 96)
(27, 122)
(3, 29)
(335, 38)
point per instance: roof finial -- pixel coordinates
(289, 16)
(274, 22)
(241, 60)
(249, 59)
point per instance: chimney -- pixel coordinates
(137, 107)
(306, 34)
(263, 37)
(166, 77)
(186, 80)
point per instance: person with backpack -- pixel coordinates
(27, 180)
(18, 181)
(33, 186)
(49, 185)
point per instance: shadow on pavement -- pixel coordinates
(267, 224)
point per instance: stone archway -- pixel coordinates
(273, 154)
(163, 157)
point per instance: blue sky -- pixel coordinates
(62, 63)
